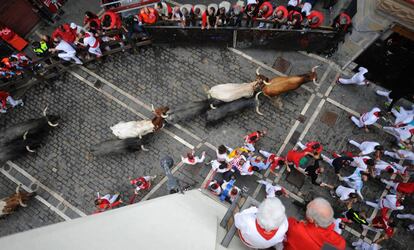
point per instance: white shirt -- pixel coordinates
(337, 229)
(64, 46)
(245, 222)
(382, 166)
(90, 41)
(293, 2)
(307, 7)
(359, 77)
(270, 189)
(370, 118)
(359, 162)
(367, 147)
(390, 201)
(343, 192)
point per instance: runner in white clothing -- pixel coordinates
(367, 147)
(193, 160)
(67, 52)
(401, 154)
(367, 118)
(358, 78)
(402, 133)
(273, 190)
(403, 116)
(362, 245)
(390, 201)
(93, 43)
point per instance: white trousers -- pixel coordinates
(265, 153)
(357, 122)
(249, 147)
(390, 183)
(13, 102)
(96, 51)
(402, 116)
(405, 216)
(385, 94)
(67, 56)
(110, 198)
(327, 160)
(353, 80)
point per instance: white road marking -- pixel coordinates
(176, 137)
(37, 197)
(312, 119)
(50, 191)
(134, 99)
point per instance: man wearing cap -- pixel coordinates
(262, 227)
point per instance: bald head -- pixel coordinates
(320, 212)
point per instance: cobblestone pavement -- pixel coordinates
(67, 177)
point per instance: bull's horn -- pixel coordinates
(152, 108)
(144, 148)
(140, 136)
(21, 203)
(52, 124)
(257, 71)
(18, 188)
(314, 68)
(164, 116)
(258, 103)
(30, 150)
(44, 111)
(212, 106)
(266, 83)
(25, 135)
(314, 81)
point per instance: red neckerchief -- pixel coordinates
(267, 235)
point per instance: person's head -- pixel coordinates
(314, 20)
(211, 10)
(98, 202)
(89, 14)
(190, 156)
(364, 176)
(321, 170)
(353, 196)
(263, 11)
(234, 192)
(370, 162)
(271, 214)
(281, 162)
(35, 45)
(343, 20)
(214, 186)
(379, 113)
(278, 192)
(222, 149)
(222, 10)
(73, 26)
(319, 212)
(197, 11)
(158, 6)
(138, 183)
(347, 163)
(279, 14)
(106, 21)
(379, 148)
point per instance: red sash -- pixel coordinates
(267, 235)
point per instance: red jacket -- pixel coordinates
(116, 22)
(313, 14)
(68, 35)
(3, 98)
(148, 18)
(252, 138)
(283, 9)
(406, 188)
(301, 235)
(270, 9)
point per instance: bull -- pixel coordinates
(29, 127)
(118, 146)
(10, 204)
(133, 129)
(213, 115)
(283, 84)
(186, 111)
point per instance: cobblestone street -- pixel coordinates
(91, 98)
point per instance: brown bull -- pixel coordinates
(283, 84)
(12, 203)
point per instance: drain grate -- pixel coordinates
(281, 65)
(329, 118)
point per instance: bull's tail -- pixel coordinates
(49, 122)
(258, 103)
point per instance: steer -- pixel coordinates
(187, 111)
(132, 129)
(230, 108)
(32, 126)
(118, 146)
(229, 92)
(11, 204)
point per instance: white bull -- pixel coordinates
(232, 91)
(132, 129)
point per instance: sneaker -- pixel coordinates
(153, 177)
(3, 111)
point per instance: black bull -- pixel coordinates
(116, 146)
(24, 137)
(187, 111)
(229, 108)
